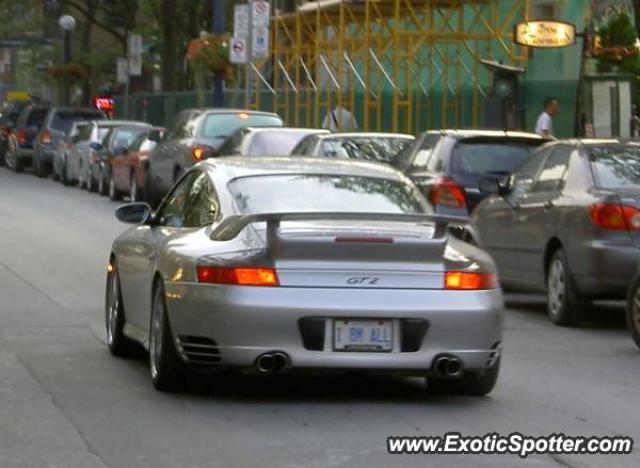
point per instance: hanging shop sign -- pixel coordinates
(545, 34)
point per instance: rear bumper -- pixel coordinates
(244, 322)
(606, 269)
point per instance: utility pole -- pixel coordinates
(219, 26)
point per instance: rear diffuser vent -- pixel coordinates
(199, 352)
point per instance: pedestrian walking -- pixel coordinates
(544, 125)
(340, 119)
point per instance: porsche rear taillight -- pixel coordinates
(470, 280)
(446, 192)
(615, 217)
(241, 276)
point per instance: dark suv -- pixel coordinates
(447, 165)
(20, 141)
(54, 134)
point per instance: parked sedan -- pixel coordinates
(567, 222)
(128, 167)
(8, 122)
(195, 135)
(447, 165)
(53, 135)
(256, 141)
(78, 135)
(115, 142)
(379, 147)
(20, 141)
(82, 154)
(277, 265)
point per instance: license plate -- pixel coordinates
(362, 335)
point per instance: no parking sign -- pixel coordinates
(238, 50)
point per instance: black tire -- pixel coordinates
(18, 165)
(64, 173)
(565, 306)
(633, 312)
(103, 185)
(471, 383)
(92, 184)
(168, 373)
(114, 194)
(135, 194)
(149, 192)
(119, 345)
(38, 167)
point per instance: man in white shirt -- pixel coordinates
(544, 125)
(340, 119)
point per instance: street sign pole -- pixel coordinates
(247, 73)
(218, 28)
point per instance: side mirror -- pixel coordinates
(133, 213)
(155, 136)
(122, 150)
(95, 146)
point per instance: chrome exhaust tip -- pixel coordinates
(448, 366)
(272, 362)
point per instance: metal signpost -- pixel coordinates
(251, 38)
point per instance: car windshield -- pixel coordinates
(220, 126)
(499, 158)
(616, 166)
(373, 148)
(63, 120)
(313, 192)
(274, 143)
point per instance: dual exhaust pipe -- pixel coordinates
(448, 366)
(272, 362)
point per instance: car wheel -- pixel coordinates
(55, 174)
(18, 164)
(114, 195)
(633, 312)
(64, 172)
(134, 190)
(564, 305)
(103, 185)
(92, 184)
(471, 383)
(167, 371)
(118, 343)
(149, 192)
(38, 167)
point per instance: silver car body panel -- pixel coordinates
(316, 286)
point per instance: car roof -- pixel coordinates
(235, 167)
(209, 110)
(366, 135)
(475, 133)
(286, 130)
(121, 123)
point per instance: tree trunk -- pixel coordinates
(168, 53)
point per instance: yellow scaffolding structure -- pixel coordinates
(399, 65)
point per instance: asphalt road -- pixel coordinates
(65, 402)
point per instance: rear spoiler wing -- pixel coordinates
(231, 226)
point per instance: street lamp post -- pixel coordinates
(218, 23)
(67, 23)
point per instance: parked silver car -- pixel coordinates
(79, 155)
(567, 222)
(275, 265)
(266, 141)
(361, 146)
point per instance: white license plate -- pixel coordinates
(362, 335)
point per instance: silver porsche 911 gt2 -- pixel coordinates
(278, 265)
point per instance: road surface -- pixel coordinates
(65, 402)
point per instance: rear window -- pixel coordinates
(311, 193)
(36, 117)
(123, 137)
(274, 143)
(220, 126)
(379, 149)
(616, 166)
(63, 120)
(496, 158)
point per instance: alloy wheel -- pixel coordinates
(113, 307)
(556, 287)
(133, 189)
(635, 312)
(155, 335)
